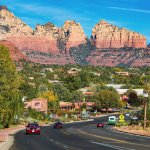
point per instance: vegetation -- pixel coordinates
(106, 99)
(10, 98)
(33, 81)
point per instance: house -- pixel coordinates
(123, 73)
(73, 71)
(47, 69)
(66, 106)
(55, 81)
(38, 104)
(123, 91)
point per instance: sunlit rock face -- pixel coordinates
(74, 34)
(48, 44)
(105, 35)
(11, 25)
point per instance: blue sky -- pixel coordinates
(131, 14)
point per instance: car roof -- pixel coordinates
(33, 124)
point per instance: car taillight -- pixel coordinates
(28, 128)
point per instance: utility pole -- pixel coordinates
(145, 110)
(145, 118)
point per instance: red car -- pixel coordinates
(58, 125)
(100, 125)
(33, 128)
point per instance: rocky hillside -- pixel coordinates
(105, 35)
(15, 54)
(10, 25)
(130, 57)
(47, 44)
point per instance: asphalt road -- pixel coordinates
(80, 136)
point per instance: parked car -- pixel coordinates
(33, 128)
(100, 125)
(58, 125)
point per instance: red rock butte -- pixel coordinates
(48, 44)
(105, 35)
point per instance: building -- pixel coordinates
(68, 106)
(123, 73)
(123, 91)
(38, 104)
(73, 71)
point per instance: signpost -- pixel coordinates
(121, 119)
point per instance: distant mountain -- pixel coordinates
(48, 44)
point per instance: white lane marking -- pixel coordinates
(111, 146)
(51, 140)
(65, 146)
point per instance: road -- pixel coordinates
(80, 136)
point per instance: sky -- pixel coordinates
(131, 14)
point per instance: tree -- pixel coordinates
(53, 103)
(9, 88)
(77, 96)
(133, 98)
(49, 95)
(62, 92)
(107, 99)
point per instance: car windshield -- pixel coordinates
(58, 123)
(33, 125)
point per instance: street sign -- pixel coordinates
(121, 118)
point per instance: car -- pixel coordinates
(112, 120)
(58, 125)
(33, 128)
(100, 125)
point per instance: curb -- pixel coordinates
(10, 140)
(7, 144)
(131, 133)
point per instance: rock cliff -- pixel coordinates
(48, 44)
(15, 53)
(74, 34)
(10, 25)
(105, 35)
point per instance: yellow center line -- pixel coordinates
(116, 140)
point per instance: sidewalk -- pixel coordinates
(6, 140)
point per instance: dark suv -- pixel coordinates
(58, 125)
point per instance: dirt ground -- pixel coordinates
(134, 129)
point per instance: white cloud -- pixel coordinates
(131, 9)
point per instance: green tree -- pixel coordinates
(9, 88)
(133, 98)
(107, 99)
(62, 92)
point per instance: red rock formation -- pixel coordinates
(31, 43)
(15, 53)
(105, 35)
(74, 34)
(114, 57)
